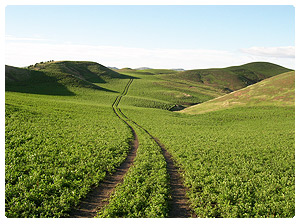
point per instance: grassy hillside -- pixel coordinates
(266, 69)
(168, 89)
(62, 138)
(275, 91)
(231, 78)
(238, 162)
(85, 70)
(157, 91)
(39, 82)
(56, 78)
(147, 71)
(59, 146)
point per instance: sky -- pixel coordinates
(165, 36)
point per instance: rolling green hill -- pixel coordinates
(173, 90)
(238, 162)
(275, 91)
(55, 78)
(85, 70)
(62, 138)
(231, 78)
(183, 89)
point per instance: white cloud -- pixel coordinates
(277, 52)
(20, 53)
(13, 38)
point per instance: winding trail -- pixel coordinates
(98, 197)
(179, 206)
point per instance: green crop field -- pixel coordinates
(67, 129)
(237, 163)
(145, 191)
(56, 149)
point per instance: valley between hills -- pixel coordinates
(83, 140)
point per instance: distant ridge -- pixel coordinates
(178, 69)
(143, 68)
(147, 68)
(114, 68)
(87, 74)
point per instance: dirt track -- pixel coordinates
(179, 206)
(99, 196)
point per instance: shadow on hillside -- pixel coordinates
(54, 89)
(37, 82)
(104, 89)
(123, 76)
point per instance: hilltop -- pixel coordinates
(231, 78)
(85, 70)
(180, 88)
(186, 88)
(76, 132)
(55, 77)
(276, 91)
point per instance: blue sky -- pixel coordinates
(164, 36)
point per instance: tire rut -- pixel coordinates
(179, 205)
(98, 197)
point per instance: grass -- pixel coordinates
(278, 90)
(66, 145)
(62, 138)
(265, 69)
(58, 145)
(56, 150)
(159, 89)
(237, 163)
(145, 190)
(232, 78)
(56, 78)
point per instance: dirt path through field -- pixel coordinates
(99, 196)
(179, 207)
